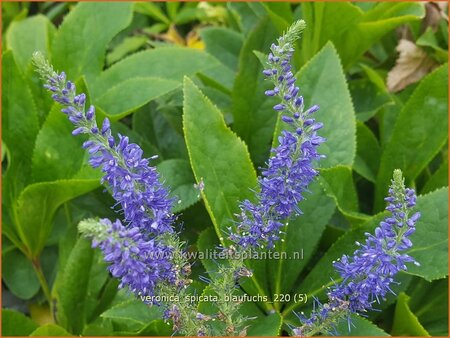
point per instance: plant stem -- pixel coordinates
(40, 275)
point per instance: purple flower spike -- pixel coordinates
(367, 275)
(290, 168)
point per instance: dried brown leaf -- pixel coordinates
(412, 65)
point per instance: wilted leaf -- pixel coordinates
(412, 65)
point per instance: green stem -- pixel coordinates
(40, 275)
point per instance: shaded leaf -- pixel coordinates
(16, 324)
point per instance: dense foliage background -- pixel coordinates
(377, 71)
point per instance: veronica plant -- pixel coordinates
(282, 185)
(145, 253)
(367, 276)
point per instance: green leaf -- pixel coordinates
(360, 327)
(429, 303)
(71, 289)
(79, 45)
(367, 153)
(266, 326)
(254, 118)
(20, 127)
(338, 184)
(125, 47)
(51, 160)
(212, 148)
(18, 275)
(27, 36)
(38, 203)
(302, 235)
(438, 180)
(16, 324)
(336, 109)
(405, 322)
(178, 177)
(431, 237)
(50, 330)
(224, 44)
(132, 315)
(152, 10)
(416, 137)
(144, 76)
(431, 228)
(127, 96)
(367, 98)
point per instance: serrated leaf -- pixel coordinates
(16, 324)
(178, 176)
(253, 116)
(212, 146)
(416, 137)
(405, 322)
(80, 43)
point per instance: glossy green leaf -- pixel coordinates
(416, 137)
(438, 180)
(16, 324)
(50, 330)
(254, 118)
(27, 36)
(405, 322)
(152, 10)
(79, 45)
(336, 109)
(212, 148)
(177, 174)
(18, 275)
